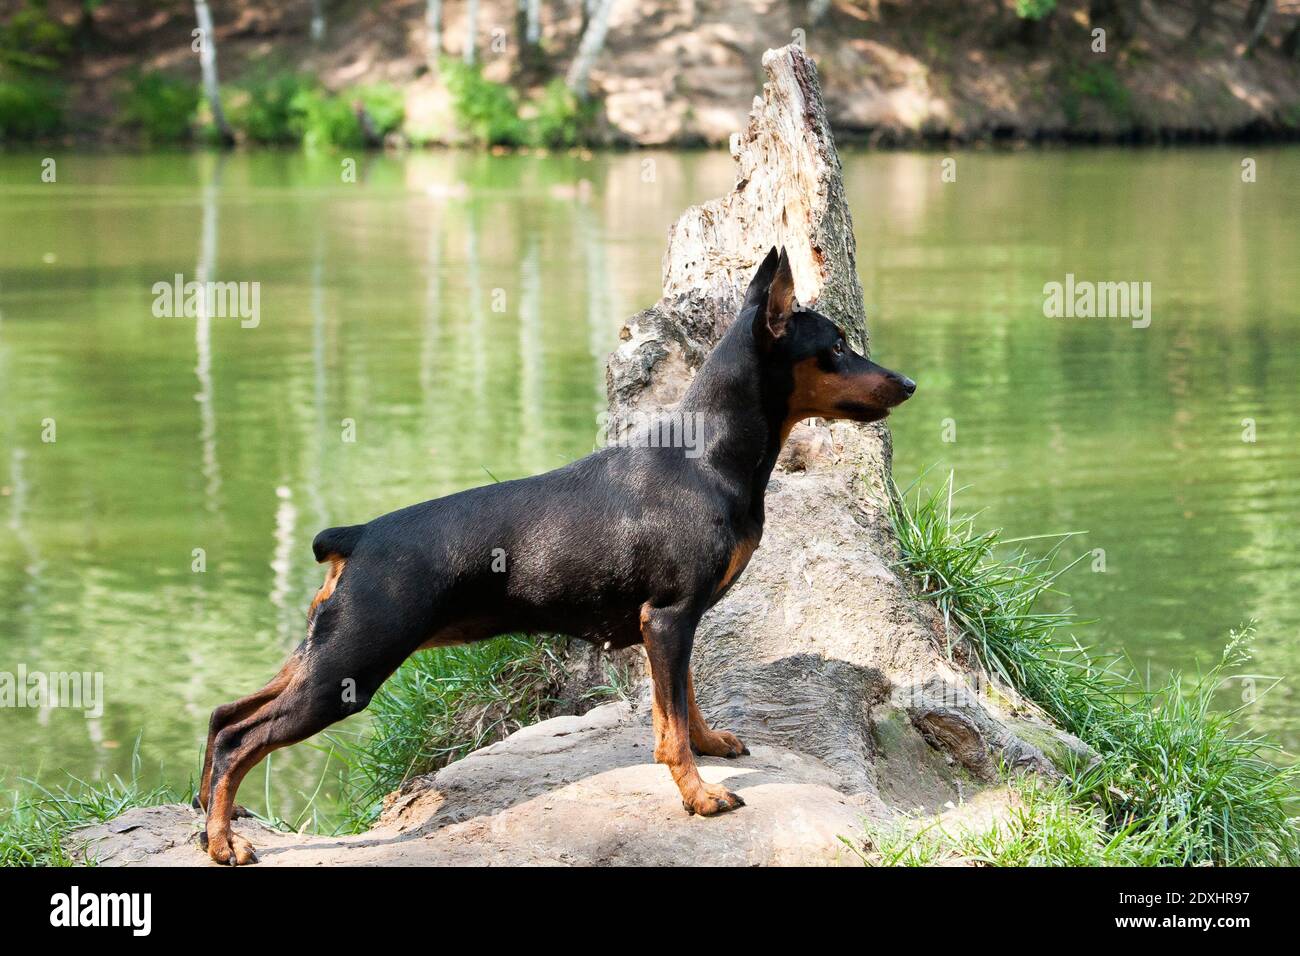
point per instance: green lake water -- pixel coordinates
(451, 313)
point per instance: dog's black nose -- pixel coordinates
(909, 386)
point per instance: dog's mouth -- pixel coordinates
(886, 397)
(862, 412)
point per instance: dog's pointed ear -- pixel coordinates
(773, 321)
(756, 294)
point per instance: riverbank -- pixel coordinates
(892, 73)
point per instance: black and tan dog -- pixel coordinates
(627, 545)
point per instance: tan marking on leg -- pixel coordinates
(236, 711)
(222, 843)
(712, 743)
(337, 564)
(737, 562)
(673, 747)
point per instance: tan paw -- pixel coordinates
(710, 799)
(719, 743)
(230, 849)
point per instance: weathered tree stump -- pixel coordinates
(820, 645)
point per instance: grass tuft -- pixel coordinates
(442, 704)
(1048, 825)
(35, 828)
(1175, 775)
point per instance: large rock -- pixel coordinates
(568, 791)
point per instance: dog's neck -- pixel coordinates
(743, 416)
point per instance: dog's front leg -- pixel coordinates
(705, 739)
(668, 634)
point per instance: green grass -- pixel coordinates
(1048, 825)
(1175, 773)
(442, 704)
(35, 827)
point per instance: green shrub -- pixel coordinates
(1172, 768)
(487, 112)
(1034, 9)
(1101, 84)
(32, 39)
(386, 106)
(562, 119)
(325, 121)
(30, 106)
(261, 107)
(162, 107)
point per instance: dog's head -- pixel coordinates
(806, 353)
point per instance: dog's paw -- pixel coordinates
(710, 799)
(719, 743)
(230, 849)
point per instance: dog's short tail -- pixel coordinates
(336, 542)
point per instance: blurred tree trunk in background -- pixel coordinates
(208, 64)
(317, 20)
(533, 22)
(1257, 18)
(471, 31)
(528, 23)
(593, 41)
(1291, 44)
(433, 32)
(1203, 10)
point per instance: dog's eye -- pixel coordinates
(839, 348)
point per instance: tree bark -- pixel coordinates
(208, 66)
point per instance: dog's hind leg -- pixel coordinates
(227, 714)
(668, 634)
(321, 688)
(704, 739)
(332, 675)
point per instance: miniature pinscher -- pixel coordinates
(628, 545)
